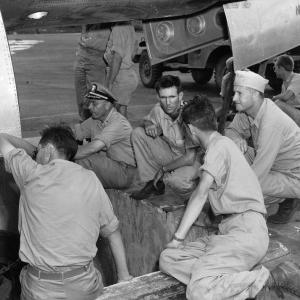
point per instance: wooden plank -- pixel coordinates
(151, 286)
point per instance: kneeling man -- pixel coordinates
(219, 266)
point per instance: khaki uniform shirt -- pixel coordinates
(235, 188)
(276, 140)
(114, 132)
(293, 84)
(62, 209)
(123, 41)
(173, 132)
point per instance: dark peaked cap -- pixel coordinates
(100, 93)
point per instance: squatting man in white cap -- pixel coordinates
(221, 266)
(275, 137)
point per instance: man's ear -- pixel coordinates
(50, 152)
(180, 96)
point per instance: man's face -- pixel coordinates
(98, 108)
(170, 100)
(243, 98)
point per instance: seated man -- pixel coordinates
(289, 98)
(160, 146)
(219, 266)
(63, 207)
(275, 156)
(109, 154)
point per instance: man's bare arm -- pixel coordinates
(114, 69)
(193, 209)
(286, 96)
(118, 251)
(17, 142)
(89, 149)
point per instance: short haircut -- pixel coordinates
(286, 62)
(168, 81)
(62, 138)
(200, 113)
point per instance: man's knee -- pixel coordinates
(201, 289)
(165, 260)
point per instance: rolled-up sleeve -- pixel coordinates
(21, 165)
(215, 164)
(154, 116)
(108, 221)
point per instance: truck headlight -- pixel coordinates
(195, 25)
(165, 32)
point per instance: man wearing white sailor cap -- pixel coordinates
(275, 138)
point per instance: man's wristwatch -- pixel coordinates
(177, 238)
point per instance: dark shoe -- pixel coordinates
(285, 212)
(285, 278)
(148, 190)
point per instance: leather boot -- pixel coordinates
(285, 212)
(285, 278)
(148, 190)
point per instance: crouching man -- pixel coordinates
(219, 266)
(109, 154)
(63, 207)
(160, 146)
(275, 155)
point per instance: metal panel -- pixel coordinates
(9, 112)
(261, 29)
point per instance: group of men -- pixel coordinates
(63, 205)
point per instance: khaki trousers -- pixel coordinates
(219, 266)
(276, 186)
(111, 173)
(85, 286)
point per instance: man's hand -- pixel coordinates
(158, 176)
(242, 144)
(125, 278)
(174, 244)
(152, 130)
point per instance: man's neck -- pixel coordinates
(287, 76)
(253, 111)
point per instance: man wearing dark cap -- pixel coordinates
(109, 154)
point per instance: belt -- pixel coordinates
(57, 275)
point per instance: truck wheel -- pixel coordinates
(202, 76)
(274, 82)
(220, 69)
(149, 74)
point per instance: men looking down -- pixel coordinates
(109, 154)
(275, 155)
(63, 208)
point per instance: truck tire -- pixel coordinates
(274, 82)
(202, 76)
(220, 69)
(149, 74)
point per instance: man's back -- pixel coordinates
(62, 209)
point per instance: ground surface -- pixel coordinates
(43, 65)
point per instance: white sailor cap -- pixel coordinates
(251, 80)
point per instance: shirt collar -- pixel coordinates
(177, 120)
(257, 120)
